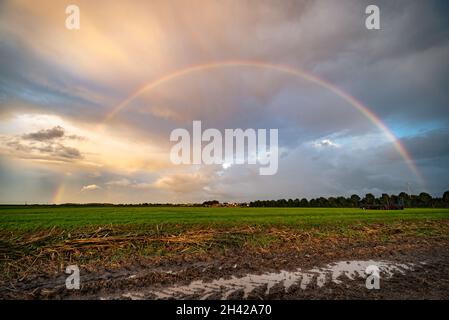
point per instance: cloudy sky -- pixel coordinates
(59, 141)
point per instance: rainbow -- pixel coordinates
(359, 106)
(59, 192)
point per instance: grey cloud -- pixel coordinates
(51, 134)
(66, 152)
(46, 143)
(43, 150)
(430, 145)
(126, 183)
(47, 134)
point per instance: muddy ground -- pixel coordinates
(409, 269)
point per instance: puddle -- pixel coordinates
(224, 288)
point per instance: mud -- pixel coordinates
(223, 288)
(407, 271)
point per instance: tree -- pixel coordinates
(342, 202)
(425, 199)
(283, 203)
(211, 203)
(446, 197)
(394, 199)
(369, 198)
(332, 202)
(296, 203)
(304, 202)
(404, 199)
(404, 196)
(323, 202)
(385, 199)
(355, 200)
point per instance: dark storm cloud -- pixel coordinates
(401, 71)
(425, 146)
(429, 145)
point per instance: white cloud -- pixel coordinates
(90, 187)
(119, 183)
(326, 143)
(142, 185)
(124, 182)
(187, 182)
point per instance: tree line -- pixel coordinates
(423, 200)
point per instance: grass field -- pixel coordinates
(44, 239)
(35, 218)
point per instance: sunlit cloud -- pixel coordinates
(90, 187)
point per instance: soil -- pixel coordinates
(414, 269)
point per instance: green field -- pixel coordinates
(35, 218)
(46, 237)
